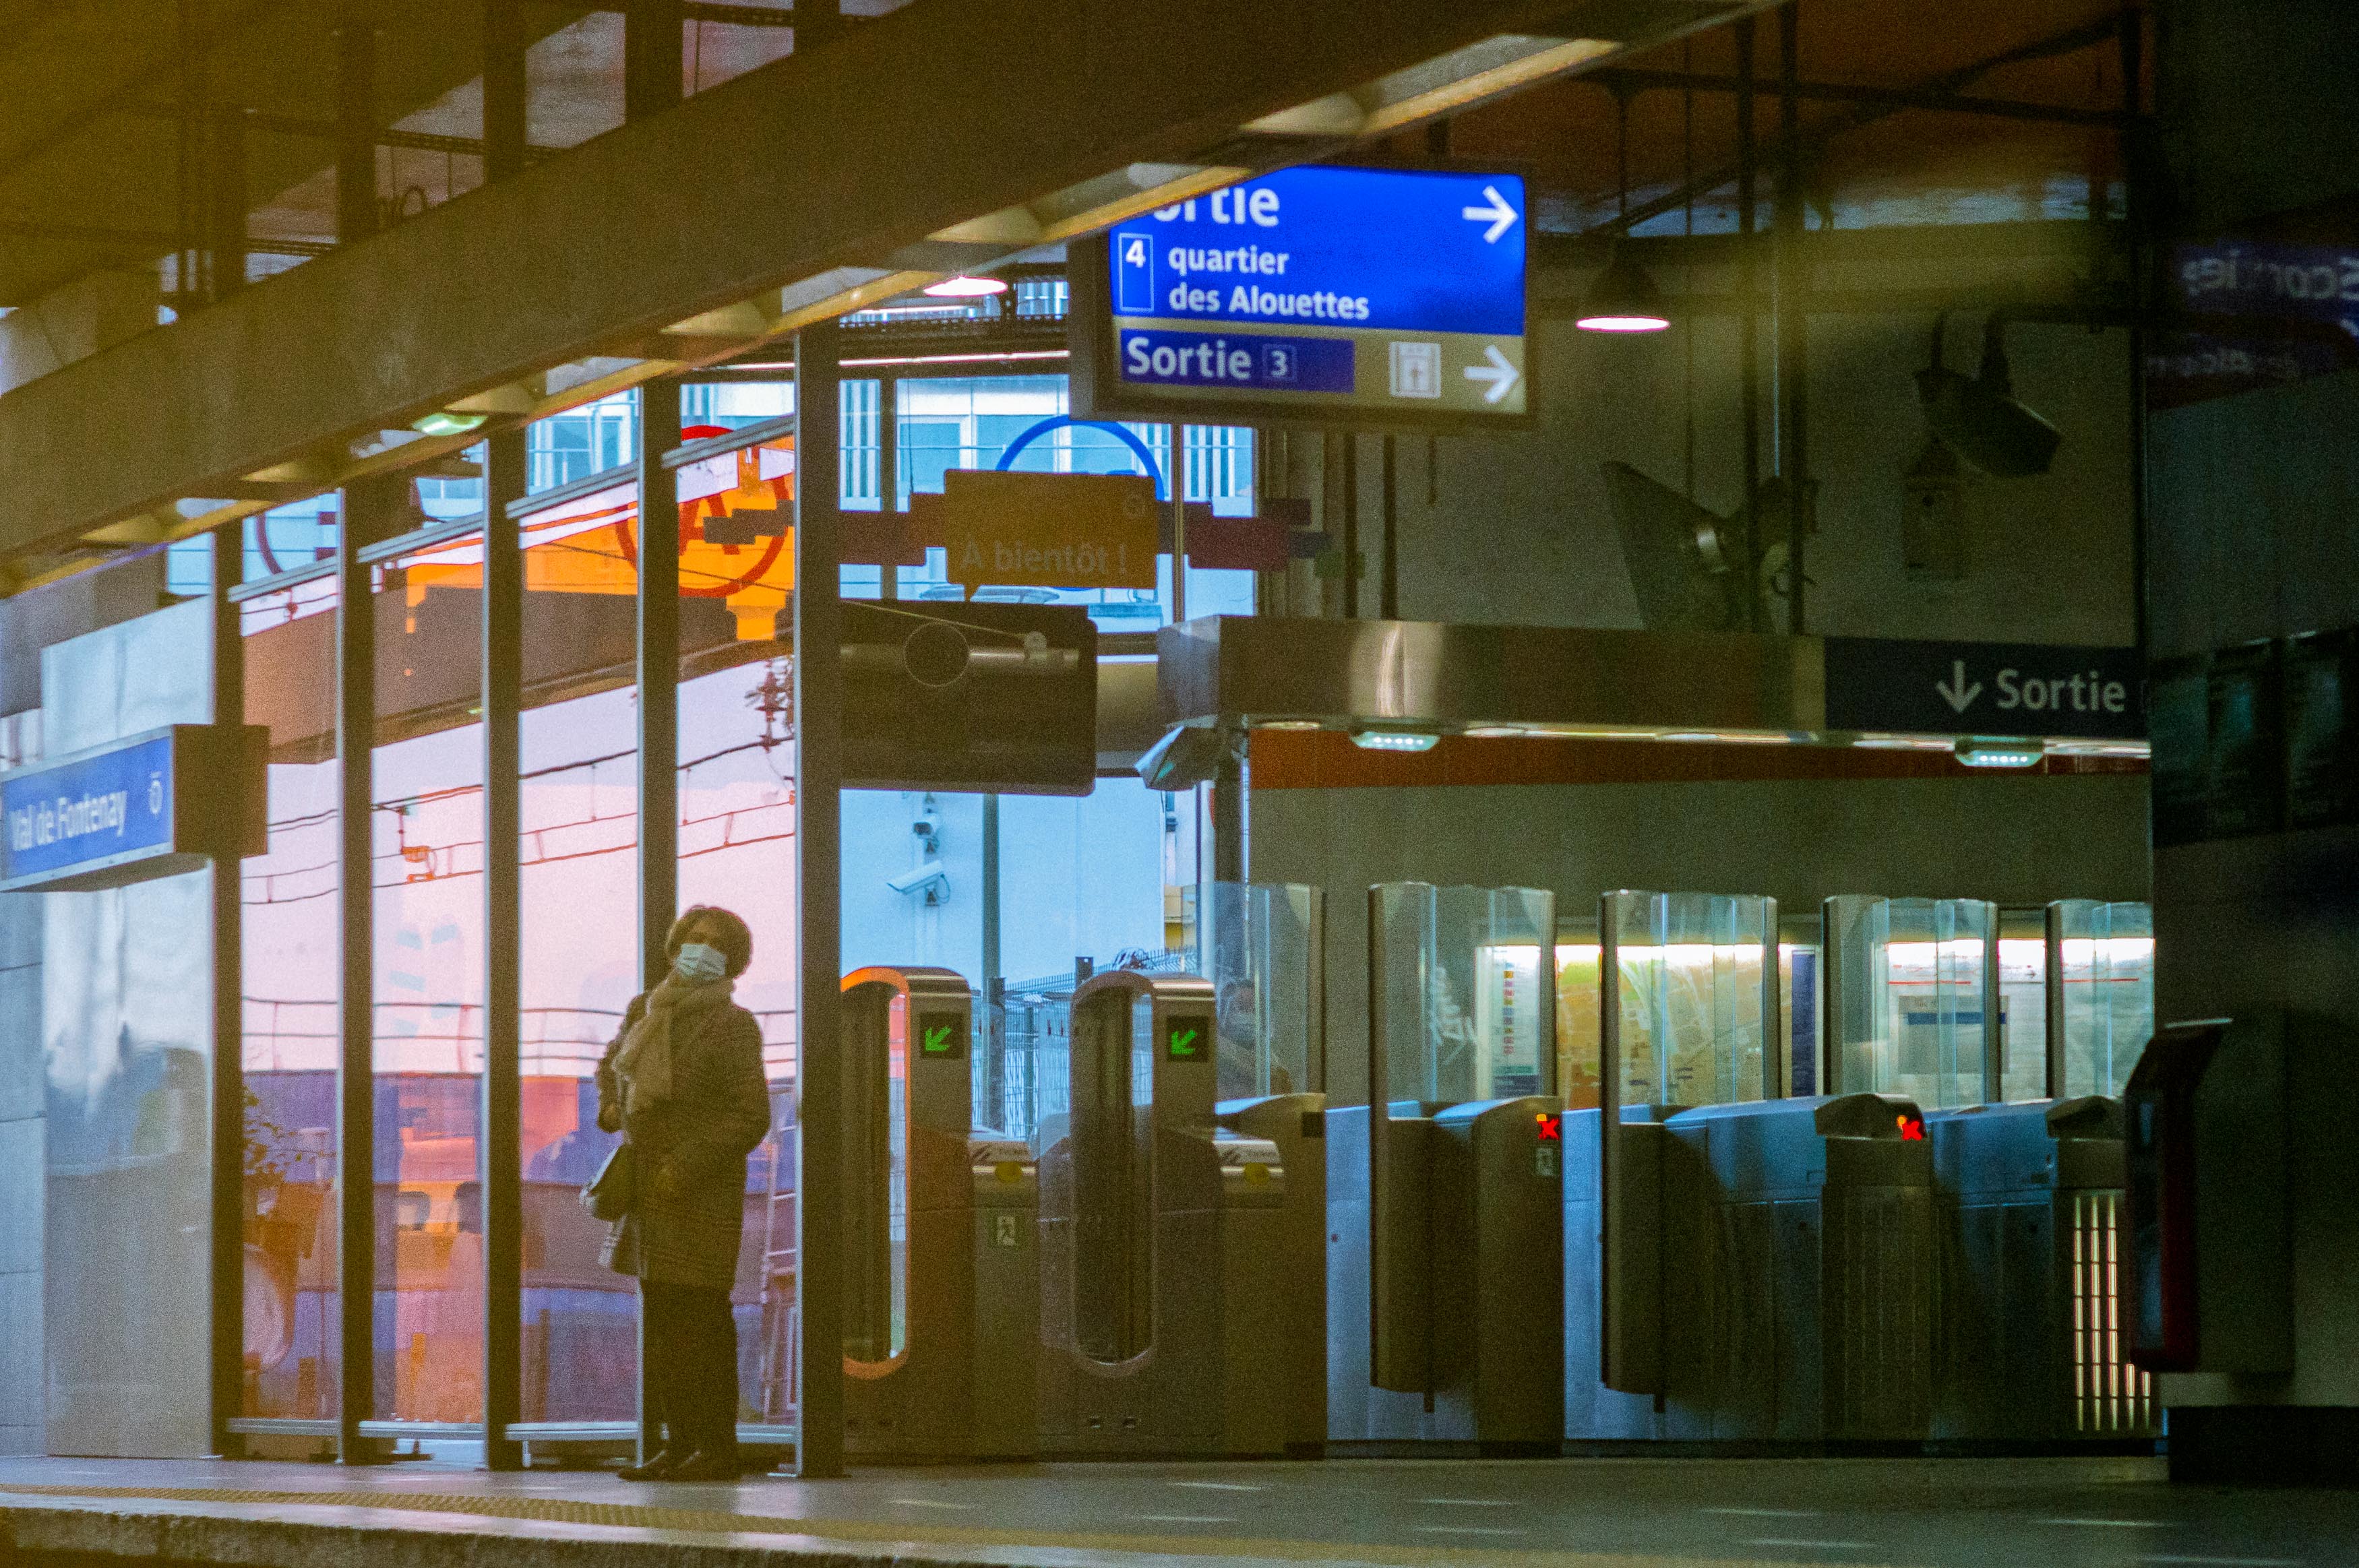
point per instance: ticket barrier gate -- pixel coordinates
(2030, 1349)
(2027, 1347)
(940, 1329)
(1445, 1226)
(1767, 1274)
(1165, 1270)
(1296, 1125)
(1444, 1288)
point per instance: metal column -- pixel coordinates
(1176, 475)
(364, 501)
(658, 689)
(356, 214)
(1228, 818)
(502, 1147)
(818, 772)
(228, 1209)
(1351, 483)
(888, 471)
(501, 1171)
(1792, 322)
(1388, 571)
(651, 83)
(506, 88)
(991, 912)
(225, 206)
(1748, 327)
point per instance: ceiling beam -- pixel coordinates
(319, 128)
(148, 242)
(2070, 41)
(642, 251)
(1892, 98)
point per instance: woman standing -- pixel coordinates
(683, 1084)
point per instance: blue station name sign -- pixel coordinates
(1398, 293)
(150, 805)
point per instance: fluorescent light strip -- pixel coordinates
(1010, 358)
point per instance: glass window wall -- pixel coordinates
(427, 1040)
(1081, 878)
(290, 959)
(580, 960)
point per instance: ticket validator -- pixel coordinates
(942, 1292)
(1163, 1264)
(1445, 1234)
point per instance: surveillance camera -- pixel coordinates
(929, 879)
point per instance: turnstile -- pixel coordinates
(1163, 1240)
(2030, 1192)
(2030, 1349)
(1742, 1270)
(941, 1290)
(1445, 1227)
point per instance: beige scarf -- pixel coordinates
(644, 1063)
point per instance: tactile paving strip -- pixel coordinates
(704, 1522)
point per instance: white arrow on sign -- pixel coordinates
(1498, 215)
(1955, 691)
(1502, 376)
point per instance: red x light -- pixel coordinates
(1551, 1128)
(1912, 1128)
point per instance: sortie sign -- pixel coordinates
(1984, 688)
(1320, 290)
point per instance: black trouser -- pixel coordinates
(689, 1340)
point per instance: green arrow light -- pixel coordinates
(936, 1040)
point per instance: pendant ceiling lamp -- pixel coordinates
(1624, 298)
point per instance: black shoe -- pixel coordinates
(707, 1465)
(658, 1468)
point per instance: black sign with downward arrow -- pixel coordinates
(1984, 688)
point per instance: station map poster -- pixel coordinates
(1388, 297)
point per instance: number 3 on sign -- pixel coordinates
(1277, 365)
(1135, 276)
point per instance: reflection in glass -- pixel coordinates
(426, 862)
(2107, 993)
(736, 850)
(2023, 1005)
(1688, 972)
(291, 1029)
(1464, 1013)
(1577, 1015)
(1929, 970)
(1264, 972)
(579, 803)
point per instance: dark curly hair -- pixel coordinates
(730, 935)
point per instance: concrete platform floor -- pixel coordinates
(1572, 1513)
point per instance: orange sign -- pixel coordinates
(1049, 530)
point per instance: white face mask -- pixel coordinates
(697, 961)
